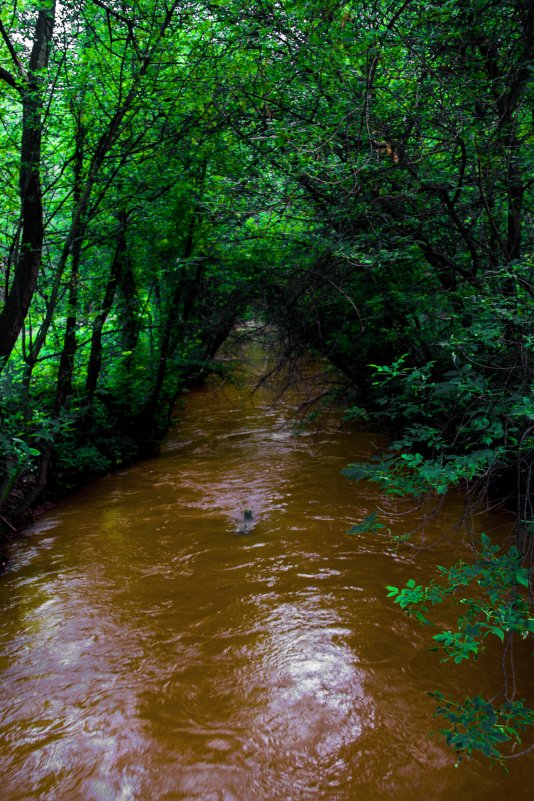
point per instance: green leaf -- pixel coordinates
(521, 576)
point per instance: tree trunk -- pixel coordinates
(66, 362)
(32, 228)
(95, 357)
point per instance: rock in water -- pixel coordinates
(247, 523)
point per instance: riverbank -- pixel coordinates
(96, 442)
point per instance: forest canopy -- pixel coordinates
(356, 174)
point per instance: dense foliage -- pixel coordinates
(357, 173)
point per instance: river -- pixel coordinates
(150, 652)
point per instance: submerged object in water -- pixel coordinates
(247, 523)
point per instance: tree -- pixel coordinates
(30, 85)
(358, 174)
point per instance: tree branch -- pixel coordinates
(12, 51)
(9, 78)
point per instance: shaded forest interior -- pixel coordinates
(357, 176)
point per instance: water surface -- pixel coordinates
(150, 652)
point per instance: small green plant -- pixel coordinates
(477, 724)
(491, 593)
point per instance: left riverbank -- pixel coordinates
(50, 456)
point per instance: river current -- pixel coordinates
(200, 627)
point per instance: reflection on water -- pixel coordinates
(147, 652)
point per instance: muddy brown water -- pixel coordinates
(149, 652)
